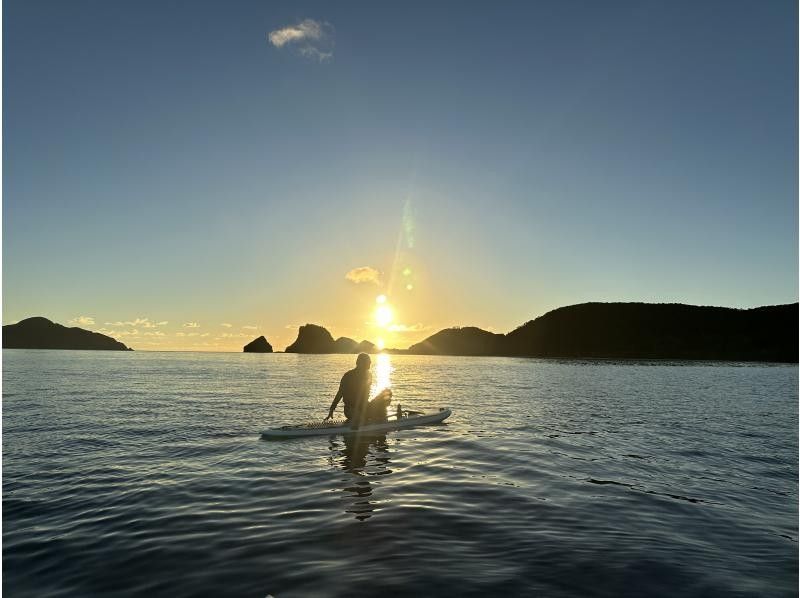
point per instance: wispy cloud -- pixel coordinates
(140, 322)
(226, 325)
(311, 39)
(191, 325)
(364, 274)
(118, 333)
(249, 327)
(82, 321)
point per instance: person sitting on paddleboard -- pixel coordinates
(354, 390)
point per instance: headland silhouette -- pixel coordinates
(41, 333)
(585, 331)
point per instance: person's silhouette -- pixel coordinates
(354, 390)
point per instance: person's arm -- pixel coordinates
(336, 399)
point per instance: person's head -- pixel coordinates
(363, 361)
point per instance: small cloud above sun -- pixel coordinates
(363, 274)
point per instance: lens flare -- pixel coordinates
(381, 344)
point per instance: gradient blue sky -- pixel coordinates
(164, 161)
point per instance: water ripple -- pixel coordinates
(134, 474)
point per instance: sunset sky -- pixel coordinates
(193, 175)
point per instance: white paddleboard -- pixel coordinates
(342, 427)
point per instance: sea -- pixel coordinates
(144, 474)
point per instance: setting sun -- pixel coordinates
(384, 315)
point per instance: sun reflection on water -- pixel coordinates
(382, 373)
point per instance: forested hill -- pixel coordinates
(636, 331)
(41, 333)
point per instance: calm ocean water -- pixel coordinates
(143, 474)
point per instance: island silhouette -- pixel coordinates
(313, 338)
(41, 333)
(259, 345)
(584, 331)
(616, 331)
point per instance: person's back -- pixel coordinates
(354, 390)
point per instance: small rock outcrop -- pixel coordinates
(41, 333)
(259, 345)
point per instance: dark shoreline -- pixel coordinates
(588, 331)
(670, 331)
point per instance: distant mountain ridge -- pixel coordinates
(611, 330)
(588, 330)
(636, 331)
(41, 333)
(467, 340)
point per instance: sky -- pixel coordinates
(188, 176)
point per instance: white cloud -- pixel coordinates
(234, 335)
(308, 29)
(191, 325)
(226, 325)
(312, 52)
(310, 38)
(363, 274)
(156, 333)
(249, 327)
(118, 333)
(82, 321)
(141, 322)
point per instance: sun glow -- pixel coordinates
(383, 313)
(384, 316)
(380, 344)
